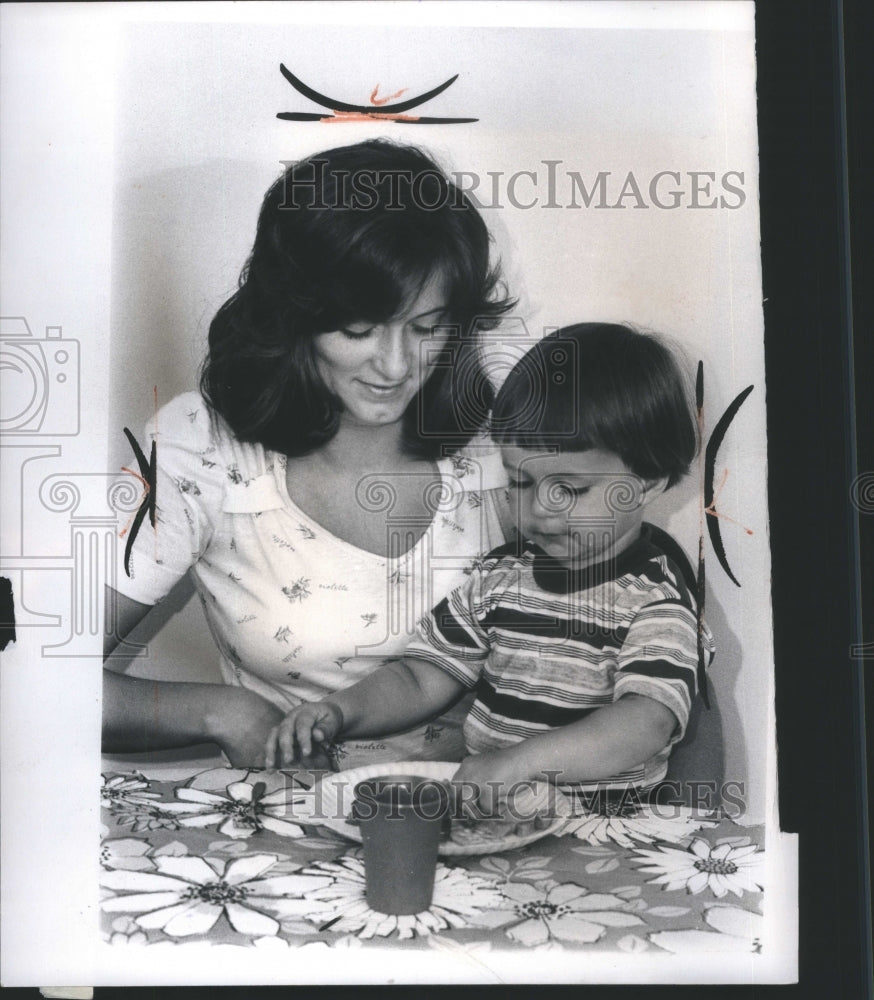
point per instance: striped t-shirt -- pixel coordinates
(543, 645)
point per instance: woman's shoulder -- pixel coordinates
(184, 416)
(188, 427)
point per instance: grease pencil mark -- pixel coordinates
(709, 513)
(148, 476)
(713, 444)
(343, 111)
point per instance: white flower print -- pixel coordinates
(459, 897)
(624, 825)
(145, 817)
(187, 895)
(246, 808)
(126, 852)
(125, 931)
(123, 789)
(724, 868)
(548, 911)
(738, 930)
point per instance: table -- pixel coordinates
(215, 854)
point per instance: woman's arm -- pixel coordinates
(393, 698)
(140, 714)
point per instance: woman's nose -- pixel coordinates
(393, 358)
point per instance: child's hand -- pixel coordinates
(293, 738)
(483, 783)
(486, 789)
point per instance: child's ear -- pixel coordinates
(653, 488)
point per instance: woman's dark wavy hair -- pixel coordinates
(606, 386)
(353, 234)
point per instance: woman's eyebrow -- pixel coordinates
(436, 309)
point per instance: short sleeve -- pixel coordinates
(659, 658)
(452, 636)
(189, 491)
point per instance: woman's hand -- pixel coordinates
(292, 739)
(239, 721)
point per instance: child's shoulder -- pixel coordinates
(663, 567)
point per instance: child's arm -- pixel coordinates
(610, 740)
(393, 698)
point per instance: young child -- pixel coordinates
(582, 639)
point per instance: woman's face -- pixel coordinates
(376, 370)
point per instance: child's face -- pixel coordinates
(580, 507)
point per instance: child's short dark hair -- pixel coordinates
(606, 386)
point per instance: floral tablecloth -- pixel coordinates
(218, 857)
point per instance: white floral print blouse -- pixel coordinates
(296, 612)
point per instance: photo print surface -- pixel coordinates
(533, 175)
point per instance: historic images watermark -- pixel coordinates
(548, 184)
(508, 801)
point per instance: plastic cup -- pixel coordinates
(400, 818)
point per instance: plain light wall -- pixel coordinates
(197, 144)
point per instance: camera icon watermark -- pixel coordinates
(39, 381)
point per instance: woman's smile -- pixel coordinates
(379, 389)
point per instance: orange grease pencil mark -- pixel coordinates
(367, 116)
(124, 468)
(384, 100)
(136, 475)
(713, 512)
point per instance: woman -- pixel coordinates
(325, 487)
